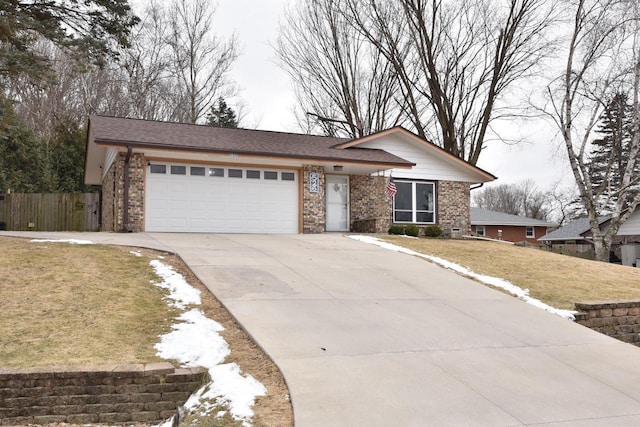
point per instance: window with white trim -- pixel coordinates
(531, 232)
(480, 230)
(414, 202)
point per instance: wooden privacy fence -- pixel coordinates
(50, 212)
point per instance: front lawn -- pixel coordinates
(557, 280)
(65, 304)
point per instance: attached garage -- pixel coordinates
(217, 198)
(178, 177)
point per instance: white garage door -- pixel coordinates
(220, 199)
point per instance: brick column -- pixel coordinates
(113, 194)
(108, 208)
(314, 204)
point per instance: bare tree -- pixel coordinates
(201, 61)
(76, 92)
(343, 84)
(451, 62)
(146, 67)
(602, 58)
(524, 199)
(562, 201)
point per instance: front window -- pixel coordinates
(414, 202)
(480, 230)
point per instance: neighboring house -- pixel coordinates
(629, 232)
(173, 177)
(575, 237)
(512, 228)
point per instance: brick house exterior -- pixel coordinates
(512, 233)
(510, 228)
(313, 206)
(122, 151)
(453, 202)
(113, 194)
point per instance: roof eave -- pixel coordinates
(120, 143)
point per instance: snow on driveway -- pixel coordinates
(522, 294)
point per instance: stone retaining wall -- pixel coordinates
(101, 394)
(618, 319)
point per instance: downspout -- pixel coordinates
(479, 185)
(125, 214)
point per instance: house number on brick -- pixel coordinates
(314, 182)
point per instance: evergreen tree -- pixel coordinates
(21, 157)
(610, 153)
(66, 157)
(221, 115)
(92, 30)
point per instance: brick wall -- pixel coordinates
(107, 222)
(314, 204)
(104, 394)
(113, 194)
(137, 169)
(618, 319)
(371, 209)
(454, 206)
(513, 233)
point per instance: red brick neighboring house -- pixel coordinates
(511, 228)
(175, 177)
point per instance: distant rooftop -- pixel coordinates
(573, 230)
(481, 216)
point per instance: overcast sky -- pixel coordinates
(268, 97)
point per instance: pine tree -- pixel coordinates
(21, 156)
(92, 30)
(222, 115)
(610, 153)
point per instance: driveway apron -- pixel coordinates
(370, 337)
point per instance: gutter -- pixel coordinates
(400, 163)
(480, 185)
(125, 214)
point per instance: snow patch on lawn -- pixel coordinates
(72, 241)
(522, 294)
(136, 253)
(181, 293)
(195, 341)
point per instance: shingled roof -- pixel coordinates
(481, 216)
(116, 131)
(575, 230)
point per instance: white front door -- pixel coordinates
(337, 202)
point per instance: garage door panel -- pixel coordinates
(188, 203)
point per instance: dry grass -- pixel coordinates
(66, 304)
(558, 280)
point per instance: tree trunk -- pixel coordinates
(602, 247)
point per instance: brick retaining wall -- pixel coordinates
(101, 394)
(618, 319)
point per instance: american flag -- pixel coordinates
(391, 189)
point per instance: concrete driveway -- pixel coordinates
(369, 337)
